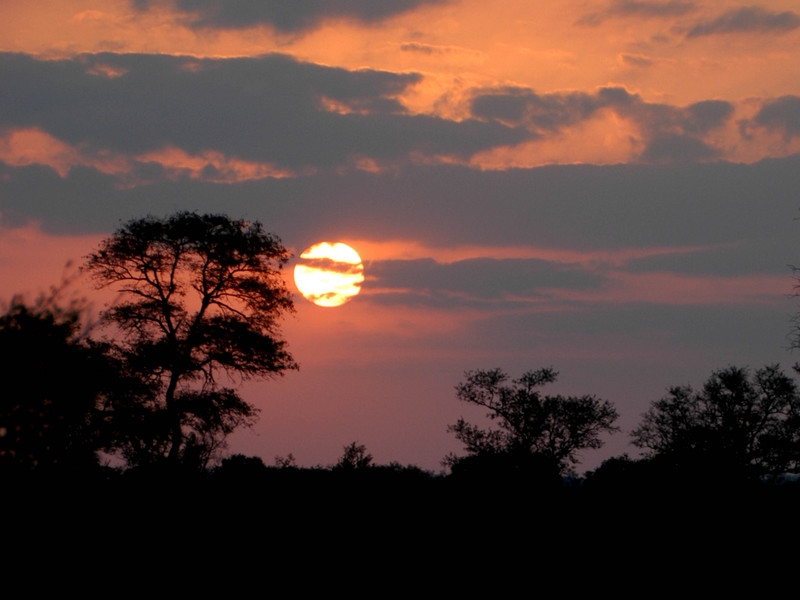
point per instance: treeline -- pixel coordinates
(135, 401)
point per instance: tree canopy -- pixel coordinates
(199, 297)
(740, 423)
(551, 428)
(355, 456)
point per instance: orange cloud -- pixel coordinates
(211, 166)
(603, 140)
(23, 147)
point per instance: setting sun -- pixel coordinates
(329, 274)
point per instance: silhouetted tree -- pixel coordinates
(355, 456)
(535, 432)
(739, 425)
(285, 462)
(200, 296)
(54, 380)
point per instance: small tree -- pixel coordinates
(740, 424)
(532, 428)
(199, 296)
(355, 457)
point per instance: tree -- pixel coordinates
(355, 457)
(199, 296)
(532, 429)
(54, 381)
(742, 425)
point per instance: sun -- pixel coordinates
(329, 274)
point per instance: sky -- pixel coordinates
(605, 187)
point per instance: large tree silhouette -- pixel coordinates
(200, 297)
(533, 429)
(740, 424)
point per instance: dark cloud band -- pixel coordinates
(289, 16)
(747, 19)
(271, 108)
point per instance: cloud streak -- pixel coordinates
(287, 17)
(634, 8)
(747, 19)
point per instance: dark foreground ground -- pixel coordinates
(400, 531)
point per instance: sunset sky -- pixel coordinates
(607, 187)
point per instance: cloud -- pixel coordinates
(673, 147)
(667, 132)
(23, 147)
(747, 19)
(541, 286)
(286, 16)
(657, 119)
(490, 283)
(583, 208)
(438, 50)
(422, 48)
(269, 110)
(706, 115)
(746, 258)
(635, 60)
(633, 8)
(566, 281)
(781, 114)
(274, 116)
(30, 146)
(541, 113)
(476, 281)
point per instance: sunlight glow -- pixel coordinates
(329, 274)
